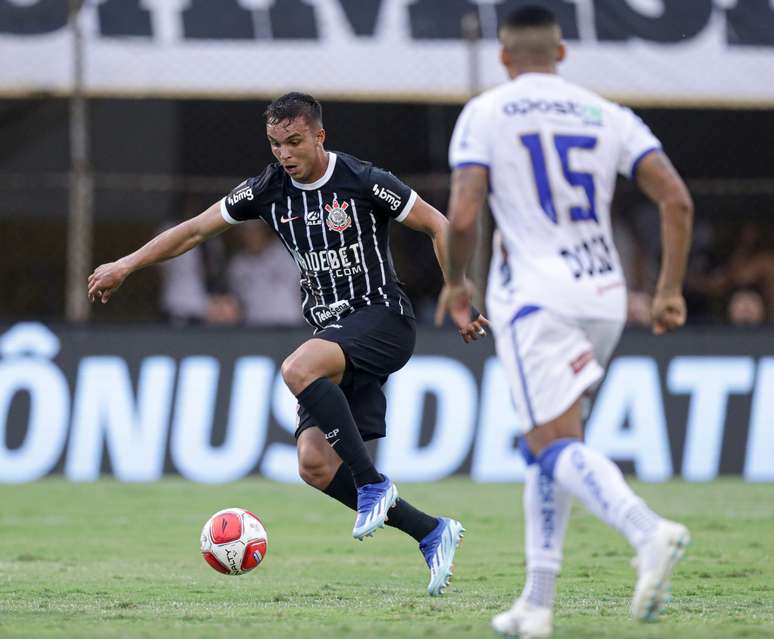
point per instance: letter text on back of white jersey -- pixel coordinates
(553, 150)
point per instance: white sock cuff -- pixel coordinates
(540, 588)
(547, 563)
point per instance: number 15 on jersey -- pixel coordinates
(563, 144)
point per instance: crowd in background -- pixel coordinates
(246, 277)
(250, 280)
(730, 276)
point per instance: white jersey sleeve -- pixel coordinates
(637, 141)
(470, 144)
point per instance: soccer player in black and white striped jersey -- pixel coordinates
(332, 213)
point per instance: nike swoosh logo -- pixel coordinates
(284, 219)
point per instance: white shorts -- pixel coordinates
(551, 360)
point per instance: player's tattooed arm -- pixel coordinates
(431, 221)
(107, 278)
(468, 192)
(659, 180)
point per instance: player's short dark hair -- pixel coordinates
(531, 15)
(294, 105)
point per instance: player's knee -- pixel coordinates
(295, 373)
(568, 425)
(315, 468)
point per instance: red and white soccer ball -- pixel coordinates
(234, 541)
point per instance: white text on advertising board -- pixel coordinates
(167, 412)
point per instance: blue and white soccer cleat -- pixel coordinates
(373, 502)
(654, 564)
(438, 548)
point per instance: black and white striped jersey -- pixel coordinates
(336, 229)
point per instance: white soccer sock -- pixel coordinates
(546, 513)
(600, 485)
(540, 588)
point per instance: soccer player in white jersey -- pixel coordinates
(548, 152)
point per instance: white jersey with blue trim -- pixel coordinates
(553, 150)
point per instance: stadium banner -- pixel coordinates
(210, 404)
(638, 51)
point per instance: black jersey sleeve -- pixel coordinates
(250, 200)
(389, 195)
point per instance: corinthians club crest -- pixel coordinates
(337, 220)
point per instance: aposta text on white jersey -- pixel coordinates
(553, 151)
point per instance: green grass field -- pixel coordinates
(117, 560)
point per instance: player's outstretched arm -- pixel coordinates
(468, 191)
(659, 180)
(431, 221)
(107, 278)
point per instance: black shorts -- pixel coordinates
(376, 341)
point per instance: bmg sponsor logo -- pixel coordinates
(392, 199)
(245, 193)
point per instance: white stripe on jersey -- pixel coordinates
(381, 261)
(325, 236)
(325, 239)
(319, 294)
(341, 238)
(294, 254)
(362, 253)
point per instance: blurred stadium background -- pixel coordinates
(118, 117)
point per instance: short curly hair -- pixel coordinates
(294, 105)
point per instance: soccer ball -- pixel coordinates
(234, 541)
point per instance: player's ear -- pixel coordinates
(561, 52)
(320, 136)
(505, 57)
